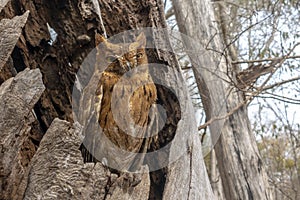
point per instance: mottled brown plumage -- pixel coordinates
(121, 59)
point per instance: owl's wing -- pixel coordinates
(134, 104)
(87, 117)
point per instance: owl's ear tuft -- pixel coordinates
(141, 39)
(140, 42)
(105, 43)
(99, 38)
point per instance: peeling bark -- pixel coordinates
(17, 98)
(11, 29)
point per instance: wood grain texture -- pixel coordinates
(58, 172)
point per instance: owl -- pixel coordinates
(121, 106)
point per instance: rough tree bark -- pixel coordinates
(52, 167)
(239, 162)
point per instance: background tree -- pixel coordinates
(236, 150)
(265, 35)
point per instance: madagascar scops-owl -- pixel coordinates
(122, 102)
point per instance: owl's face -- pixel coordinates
(121, 58)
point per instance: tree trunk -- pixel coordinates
(52, 167)
(239, 162)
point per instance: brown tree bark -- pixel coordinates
(239, 162)
(53, 166)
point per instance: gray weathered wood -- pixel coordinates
(57, 170)
(17, 98)
(187, 177)
(141, 191)
(10, 31)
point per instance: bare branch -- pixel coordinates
(265, 60)
(281, 83)
(280, 98)
(227, 114)
(254, 94)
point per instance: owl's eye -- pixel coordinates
(110, 58)
(139, 55)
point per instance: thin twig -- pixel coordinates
(281, 83)
(101, 23)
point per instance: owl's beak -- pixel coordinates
(128, 64)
